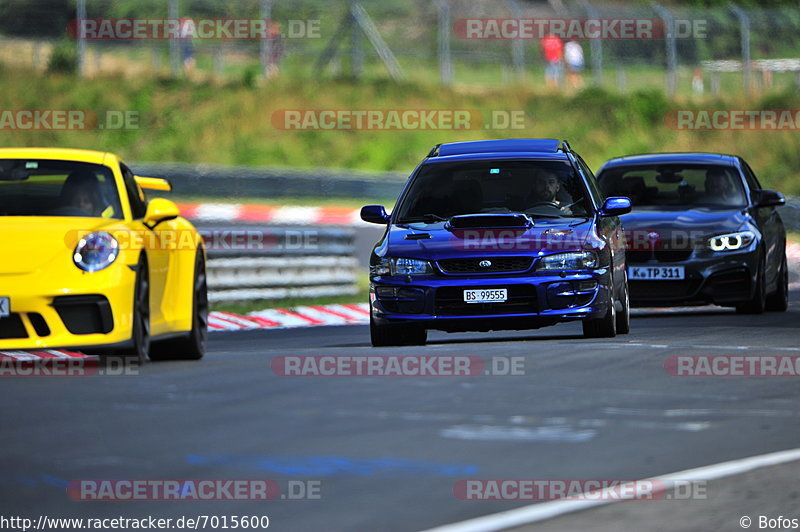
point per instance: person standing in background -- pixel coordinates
(553, 50)
(573, 57)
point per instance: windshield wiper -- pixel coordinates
(539, 215)
(427, 218)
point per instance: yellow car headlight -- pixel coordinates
(96, 251)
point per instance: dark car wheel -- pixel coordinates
(193, 345)
(758, 302)
(385, 334)
(624, 315)
(605, 327)
(778, 301)
(140, 333)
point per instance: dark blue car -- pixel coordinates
(498, 234)
(702, 230)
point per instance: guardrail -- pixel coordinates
(246, 263)
(230, 182)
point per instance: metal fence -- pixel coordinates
(288, 262)
(718, 49)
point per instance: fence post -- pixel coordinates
(596, 45)
(356, 50)
(266, 44)
(747, 66)
(517, 45)
(174, 48)
(445, 61)
(672, 55)
(81, 16)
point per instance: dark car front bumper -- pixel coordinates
(725, 279)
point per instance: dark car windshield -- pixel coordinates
(40, 187)
(664, 185)
(537, 188)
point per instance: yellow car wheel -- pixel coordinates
(140, 333)
(193, 345)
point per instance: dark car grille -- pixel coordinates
(12, 327)
(85, 314)
(499, 265)
(450, 302)
(661, 255)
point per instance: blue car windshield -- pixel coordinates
(546, 189)
(675, 185)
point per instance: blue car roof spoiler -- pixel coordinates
(500, 146)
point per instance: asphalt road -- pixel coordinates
(387, 451)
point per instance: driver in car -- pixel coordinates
(719, 189)
(82, 190)
(545, 188)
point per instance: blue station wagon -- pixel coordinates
(498, 234)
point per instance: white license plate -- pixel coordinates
(656, 273)
(5, 307)
(486, 295)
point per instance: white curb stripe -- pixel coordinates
(320, 315)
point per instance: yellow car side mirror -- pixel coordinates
(160, 210)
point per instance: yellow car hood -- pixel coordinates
(29, 243)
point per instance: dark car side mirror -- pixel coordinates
(616, 207)
(769, 198)
(374, 214)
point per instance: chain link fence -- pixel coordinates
(703, 50)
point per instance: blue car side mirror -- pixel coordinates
(616, 206)
(374, 214)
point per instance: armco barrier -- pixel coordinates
(251, 262)
(227, 183)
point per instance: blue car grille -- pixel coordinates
(498, 265)
(450, 302)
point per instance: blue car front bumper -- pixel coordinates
(534, 300)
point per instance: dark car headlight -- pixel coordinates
(731, 241)
(401, 266)
(572, 260)
(95, 252)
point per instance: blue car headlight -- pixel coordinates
(731, 241)
(573, 260)
(95, 252)
(401, 266)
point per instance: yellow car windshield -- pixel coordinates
(42, 187)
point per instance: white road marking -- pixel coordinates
(537, 513)
(517, 433)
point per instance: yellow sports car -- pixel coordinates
(88, 263)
